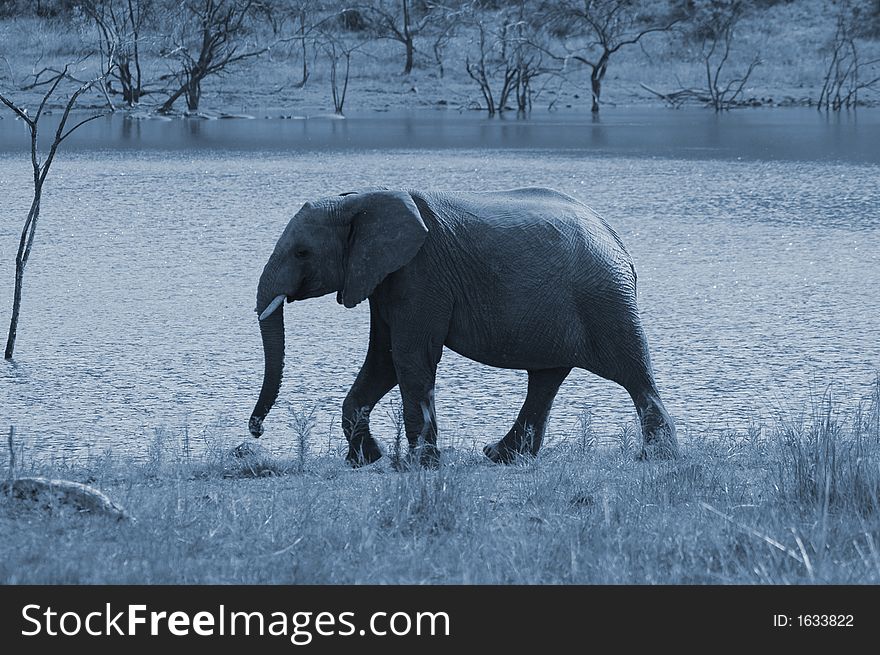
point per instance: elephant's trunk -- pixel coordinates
(272, 331)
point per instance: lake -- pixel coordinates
(755, 234)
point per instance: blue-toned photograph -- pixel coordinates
(466, 292)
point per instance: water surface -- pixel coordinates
(781, 134)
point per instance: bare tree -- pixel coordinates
(591, 31)
(300, 12)
(208, 36)
(40, 172)
(717, 26)
(712, 25)
(504, 53)
(445, 28)
(120, 26)
(401, 21)
(488, 65)
(846, 73)
(520, 37)
(297, 22)
(339, 47)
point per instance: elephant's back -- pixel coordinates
(537, 220)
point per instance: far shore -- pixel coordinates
(791, 72)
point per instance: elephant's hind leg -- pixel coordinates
(620, 353)
(527, 434)
(376, 378)
(658, 429)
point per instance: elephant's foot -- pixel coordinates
(426, 456)
(365, 452)
(517, 446)
(502, 453)
(659, 445)
(429, 456)
(658, 431)
(657, 452)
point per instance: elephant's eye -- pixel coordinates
(301, 253)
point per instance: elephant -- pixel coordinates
(529, 279)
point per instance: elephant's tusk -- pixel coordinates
(275, 304)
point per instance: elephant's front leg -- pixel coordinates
(416, 373)
(376, 378)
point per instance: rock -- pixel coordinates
(200, 115)
(248, 450)
(254, 461)
(51, 493)
(585, 498)
(141, 115)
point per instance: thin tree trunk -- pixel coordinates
(193, 91)
(16, 308)
(169, 103)
(21, 260)
(345, 82)
(407, 39)
(136, 95)
(333, 88)
(438, 56)
(409, 57)
(596, 77)
(305, 66)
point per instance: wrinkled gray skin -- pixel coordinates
(526, 279)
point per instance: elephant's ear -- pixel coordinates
(386, 232)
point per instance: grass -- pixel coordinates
(797, 502)
(791, 71)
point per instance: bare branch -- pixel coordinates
(19, 111)
(51, 80)
(8, 66)
(55, 83)
(79, 125)
(638, 37)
